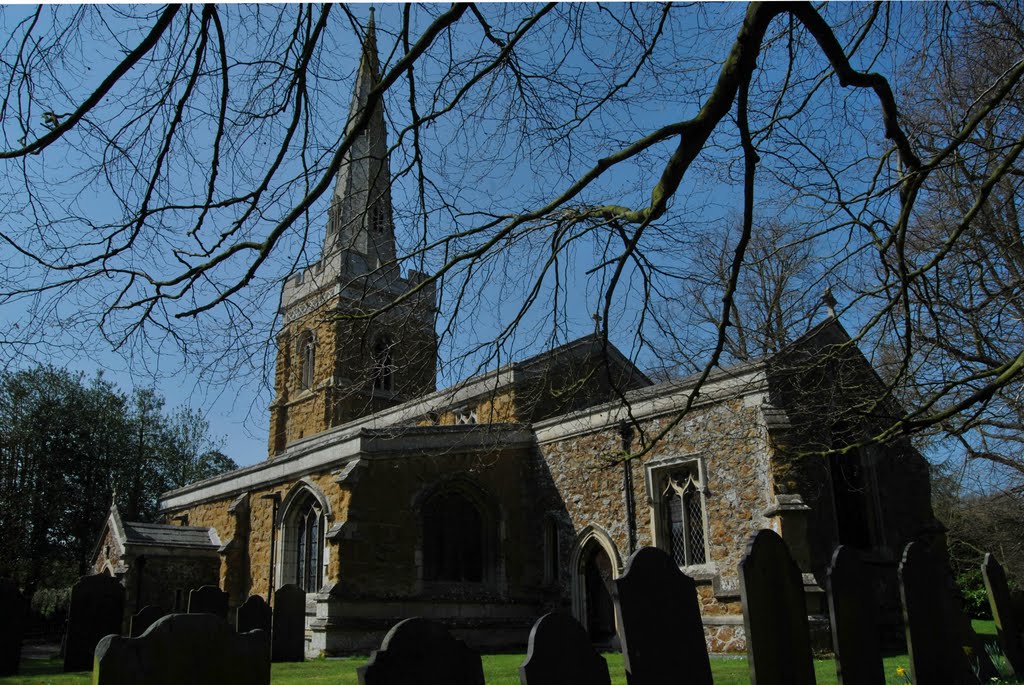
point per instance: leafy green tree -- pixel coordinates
(67, 445)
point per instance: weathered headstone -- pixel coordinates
(774, 614)
(209, 599)
(421, 651)
(13, 612)
(96, 609)
(197, 649)
(142, 620)
(289, 635)
(560, 652)
(935, 653)
(661, 629)
(1007, 627)
(254, 614)
(852, 611)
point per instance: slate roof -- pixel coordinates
(166, 535)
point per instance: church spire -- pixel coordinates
(360, 217)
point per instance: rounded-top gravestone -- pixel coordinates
(560, 652)
(421, 651)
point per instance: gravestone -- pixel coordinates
(1017, 604)
(13, 612)
(209, 599)
(560, 652)
(851, 607)
(254, 614)
(421, 651)
(774, 614)
(935, 653)
(142, 620)
(194, 649)
(1007, 627)
(661, 629)
(96, 609)
(289, 635)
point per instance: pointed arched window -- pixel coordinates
(304, 543)
(377, 217)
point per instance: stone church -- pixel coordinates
(491, 502)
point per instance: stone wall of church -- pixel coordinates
(215, 515)
(380, 553)
(731, 440)
(297, 412)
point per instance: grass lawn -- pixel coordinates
(499, 669)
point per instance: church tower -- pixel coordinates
(345, 350)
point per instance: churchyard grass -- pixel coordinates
(499, 669)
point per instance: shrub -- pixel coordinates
(972, 588)
(49, 601)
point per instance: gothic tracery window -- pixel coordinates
(466, 416)
(683, 509)
(307, 525)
